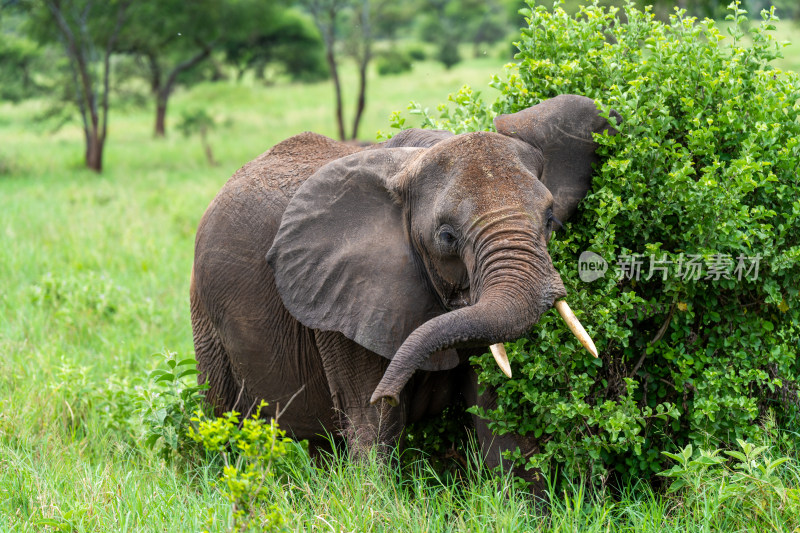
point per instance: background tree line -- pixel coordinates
(85, 56)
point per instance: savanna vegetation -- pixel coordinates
(99, 428)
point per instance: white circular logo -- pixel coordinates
(591, 266)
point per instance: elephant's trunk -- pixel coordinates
(515, 284)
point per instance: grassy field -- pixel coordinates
(94, 274)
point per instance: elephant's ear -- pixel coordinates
(561, 128)
(342, 259)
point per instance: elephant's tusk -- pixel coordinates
(500, 356)
(575, 326)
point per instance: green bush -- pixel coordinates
(393, 62)
(417, 52)
(448, 54)
(752, 486)
(251, 449)
(704, 172)
(168, 404)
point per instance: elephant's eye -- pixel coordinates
(552, 222)
(447, 236)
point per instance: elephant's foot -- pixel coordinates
(372, 430)
(353, 372)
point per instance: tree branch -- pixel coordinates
(325, 20)
(189, 63)
(662, 330)
(107, 66)
(80, 75)
(85, 53)
(363, 56)
(155, 72)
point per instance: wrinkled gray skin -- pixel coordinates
(358, 281)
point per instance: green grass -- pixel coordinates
(94, 274)
(94, 277)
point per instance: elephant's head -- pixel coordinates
(415, 251)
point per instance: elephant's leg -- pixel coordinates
(493, 445)
(353, 372)
(213, 363)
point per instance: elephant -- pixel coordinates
(348, 286)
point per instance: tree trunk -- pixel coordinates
(339, 117)
(161, 113)
(207, 147)
(155, 72)
(324, 15)
(362, 91)
(329, 55)
(163, 93)
(81, 51)
(94, 152)
(363, 61)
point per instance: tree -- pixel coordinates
(396, 17)
(360, 48)
(358, 16)
(447, 23)
(284, 37)
(88, 32)
(171, 37)
(326, 14)
(20, 57)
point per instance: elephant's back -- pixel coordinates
(283, 168)
(238, 228)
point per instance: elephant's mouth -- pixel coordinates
(459, 297)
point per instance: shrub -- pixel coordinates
(703, 173)
(168, 404)
(7, 166)
(393, 62)
(250, 449)
(84, 408)
(417, 52)
(753, 487)
(448, 54)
